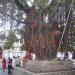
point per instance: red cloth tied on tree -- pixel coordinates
(33, 25)
(27, 57)
(1, 52)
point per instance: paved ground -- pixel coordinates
(6, 72)
(3, 73)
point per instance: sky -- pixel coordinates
(5, 27)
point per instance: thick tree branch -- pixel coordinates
(25, 8)
(19, 21)
(12, 17)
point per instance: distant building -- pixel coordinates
(17, 44)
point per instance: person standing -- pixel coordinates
(4, 64)
(66, 55)
(18, 61)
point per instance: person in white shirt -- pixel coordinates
(18, 61)
(13, 62)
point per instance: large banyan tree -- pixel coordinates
(41, 37)
(47, 26)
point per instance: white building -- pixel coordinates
(17, 45)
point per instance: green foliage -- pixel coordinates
(22, 47)
(52, 5)
(40, 3)
(54, 2)
(11, 38)
(24, 2)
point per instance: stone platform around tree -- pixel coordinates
(46, 68)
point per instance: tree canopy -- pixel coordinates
(10, 39)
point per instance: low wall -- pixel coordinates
(19, 71)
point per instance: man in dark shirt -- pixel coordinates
(9, 65)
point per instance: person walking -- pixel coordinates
(4, 64)
(13, 62)
(9, 65)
